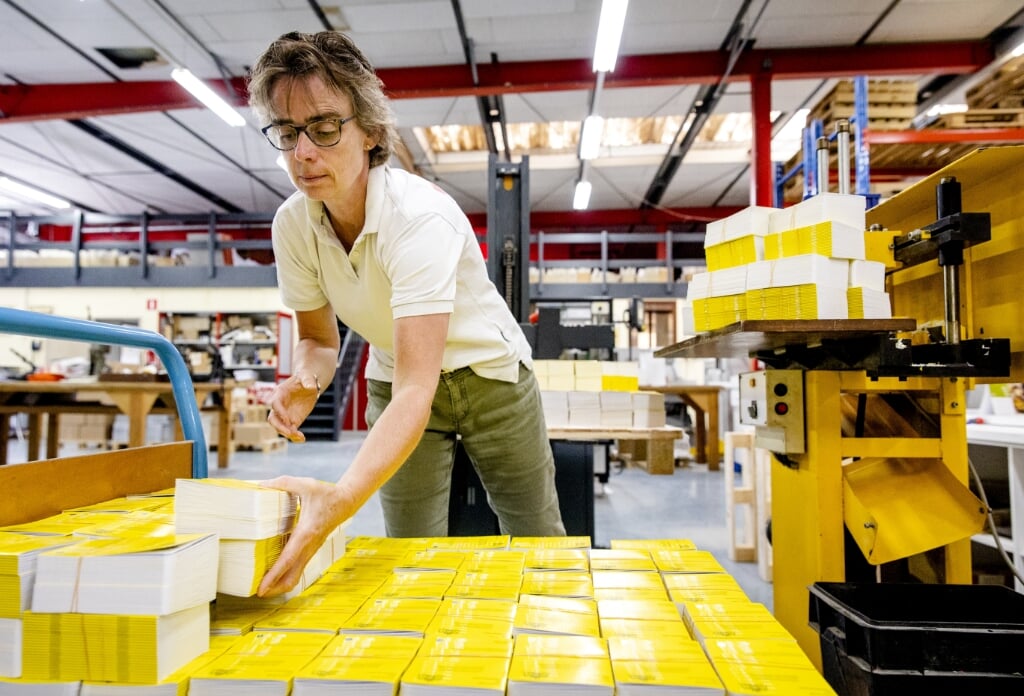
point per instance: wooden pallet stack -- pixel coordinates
(892, 105)
(1004, 90)
(253, 432)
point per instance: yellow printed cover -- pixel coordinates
(632, 579)
(538, 620)
(443, 625)
(705, 581)
(301, 620)
(558, 559)
(662, 610)
(536, 644)
(648, 594)
(349, 672)
(370, 645)
(574, 605)
(746, 679)
(480, 644)
(684, 595)
(432, 559)
(560, 670)
(654, 648)
(641, 628)
(489, 592)
(682, 561)
(566, 542)
(562, 583)
(717, 628)
(258, 669)
(697, 676)
(469, 543)
(126, 545)
(265, 643)
(17, 551)
(490, 608)
(485, 675)
(780, 653)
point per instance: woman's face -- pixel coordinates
(321, 173)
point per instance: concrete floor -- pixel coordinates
(690, 504)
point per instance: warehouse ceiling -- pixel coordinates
(88, 111)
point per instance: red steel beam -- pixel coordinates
(945, 135)
(64, 101)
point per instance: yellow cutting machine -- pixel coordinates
(866, 417)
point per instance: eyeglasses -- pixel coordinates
(323, 133)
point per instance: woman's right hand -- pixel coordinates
(291, 402)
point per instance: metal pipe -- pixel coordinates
(821, 171)
(843, 149)
(951, 294)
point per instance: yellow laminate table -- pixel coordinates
(132, 398)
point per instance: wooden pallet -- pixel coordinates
(1004, 90)
(981, 118)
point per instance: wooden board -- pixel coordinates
(744, 338)
(35, 490)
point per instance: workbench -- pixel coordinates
(703, 400)
(135, 399)
(660, 455)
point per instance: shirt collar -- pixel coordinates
(375, 187)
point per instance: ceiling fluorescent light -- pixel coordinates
(590, 137)
(581, 196)
(207, 96)
(609, 33)
(24, 191)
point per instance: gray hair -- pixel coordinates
(335, 59)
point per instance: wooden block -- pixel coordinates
(660, 457)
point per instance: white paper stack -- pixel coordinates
(139, 575)
(18, 557)
(561, 375)
(25, 687)
(232, 509)
(587, 375)
(868, 304)
(556, 408)
(616, 409)
(584, 409)
(844, 208)
(648, 409)
(867, 274)
(10, 647)
(808, 286)
(242, 563)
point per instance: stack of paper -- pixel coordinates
(829, 238)
(439, 675)
(368, 665)
(395, 617)
(616, 409)
(556, 615)
(30, 687)
(232, 509)
(558, 583)
(585, 409)
(10, 647)
(556, 408)
(257, 664)
(808, 286)
(174, 685)
(18, 555)
(112, 647)
(648, 409)
(621, 559)
(557, 559)
(242, 563)
(553, 664)
(143, 575)
(669, 677)
(868, 304)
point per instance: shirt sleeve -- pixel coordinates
(422, 262)
(297, 261)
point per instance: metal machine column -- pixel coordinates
(508, 232)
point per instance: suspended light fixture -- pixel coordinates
(213, 101)
(34, 194)
(609, 33)
(581, 196)
(590, 137)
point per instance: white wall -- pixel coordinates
(141, 304)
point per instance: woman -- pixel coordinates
(396, 260)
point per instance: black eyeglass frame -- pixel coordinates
(299, 130)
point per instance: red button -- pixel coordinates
(782, 408)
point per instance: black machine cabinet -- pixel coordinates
(470, 515)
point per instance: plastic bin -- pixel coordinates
(912, 638)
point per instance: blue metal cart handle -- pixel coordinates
(48, 326)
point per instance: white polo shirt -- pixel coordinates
(416, 254)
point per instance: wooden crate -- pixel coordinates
(981, 118)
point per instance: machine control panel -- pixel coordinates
(773, 402)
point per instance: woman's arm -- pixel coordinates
(419, 349)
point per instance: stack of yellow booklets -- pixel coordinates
(398, 617)
(566, 542)
(367, 665)
(258, 663)
(242, 563)
(751, 679)
(235, 616)
(549, 664)
(450, 675)
(653, 610)
(561, 615)
(112, 647)
(18, 557)
(30, 687)
(174, 685)
(494, 585)
(131, 575)
(667, 677)
(557, 559)
(496, 542)
(621, 559)
(424, 584)
(559, 583)
(653, 544)
(232, 509)
(683, 561)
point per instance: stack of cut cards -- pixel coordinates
(232, 509)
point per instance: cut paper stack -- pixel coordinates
(802, 262)
(130, 609)
(596, 394)
(18, 561)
